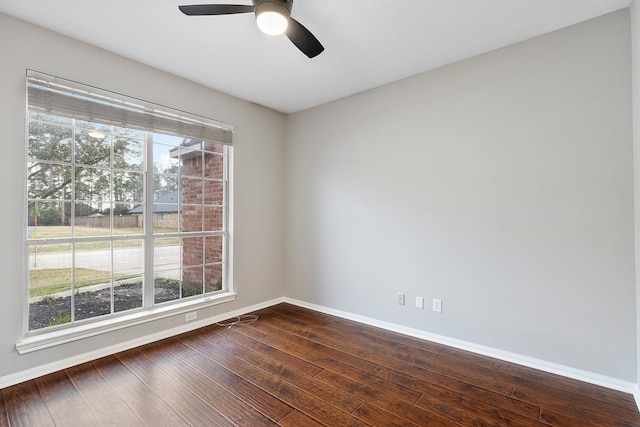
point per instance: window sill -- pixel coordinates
(51, 339)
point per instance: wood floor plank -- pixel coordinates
(304, 349)
(466, 410)
(250, 393)
(556, 419)
(65, 404)
(377, 417)
(231, 407)
(355, 331)
(180, 398)
(240, 413)
(143, 401)
(314, 333)
(326, 357)
(398, 390)
(105, 402)
(591, 391)
(571, 404)
(475, 375)
(296, 363)
(386, 402)
(25, 407)
(298, 419)
(289, 374)
(296, 367)
(269, 335)
(414, 377)
(420, 344)
(311, 405)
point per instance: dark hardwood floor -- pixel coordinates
(297, 367)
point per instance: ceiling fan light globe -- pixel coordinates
(272, 18)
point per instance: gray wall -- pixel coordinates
(259, 176)
(502, 184)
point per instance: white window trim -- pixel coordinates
(63, 336)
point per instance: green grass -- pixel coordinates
(65, 232)
(60, 319)
(84, 277)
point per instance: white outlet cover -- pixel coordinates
(419, 302)
(400, 299)
(437, 305)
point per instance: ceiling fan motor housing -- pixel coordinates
(287, 4)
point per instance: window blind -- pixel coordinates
(67, 98)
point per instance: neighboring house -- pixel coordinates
(166, 210)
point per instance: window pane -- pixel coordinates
(166, 218)
(165, 159)
(128, 153)
(49, 264)
(192, 281)
(128, 187)
(128, 271)
(166, 286)
(191, 191)
(165, 188)
(213, 249)
(127, 219)
(48, 141)
(92, 219)
(213, 218)
(92, 262)
(191, 218)
(93, 184)
(167, 254)
(50, 278)
(50, 307)
(192, 251)
(92, 150)
(48, 220)
(48, 181)
(91, 300)
(214, 193)
(213, 277)
(127, 294)
(214, 165)
(190, 162)
(127, 259)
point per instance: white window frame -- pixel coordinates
(48, 337)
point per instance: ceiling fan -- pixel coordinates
(273, 17)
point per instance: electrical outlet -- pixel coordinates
(400, 299)
(437, 305)
(191, 316)
(419, 302)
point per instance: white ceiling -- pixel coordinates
(367, 42)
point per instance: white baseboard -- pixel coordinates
(29, 374)
(565, 371)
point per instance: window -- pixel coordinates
(127, 205)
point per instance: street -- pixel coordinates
(125, 260)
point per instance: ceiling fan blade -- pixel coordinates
(303, 39)
(215, 9)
